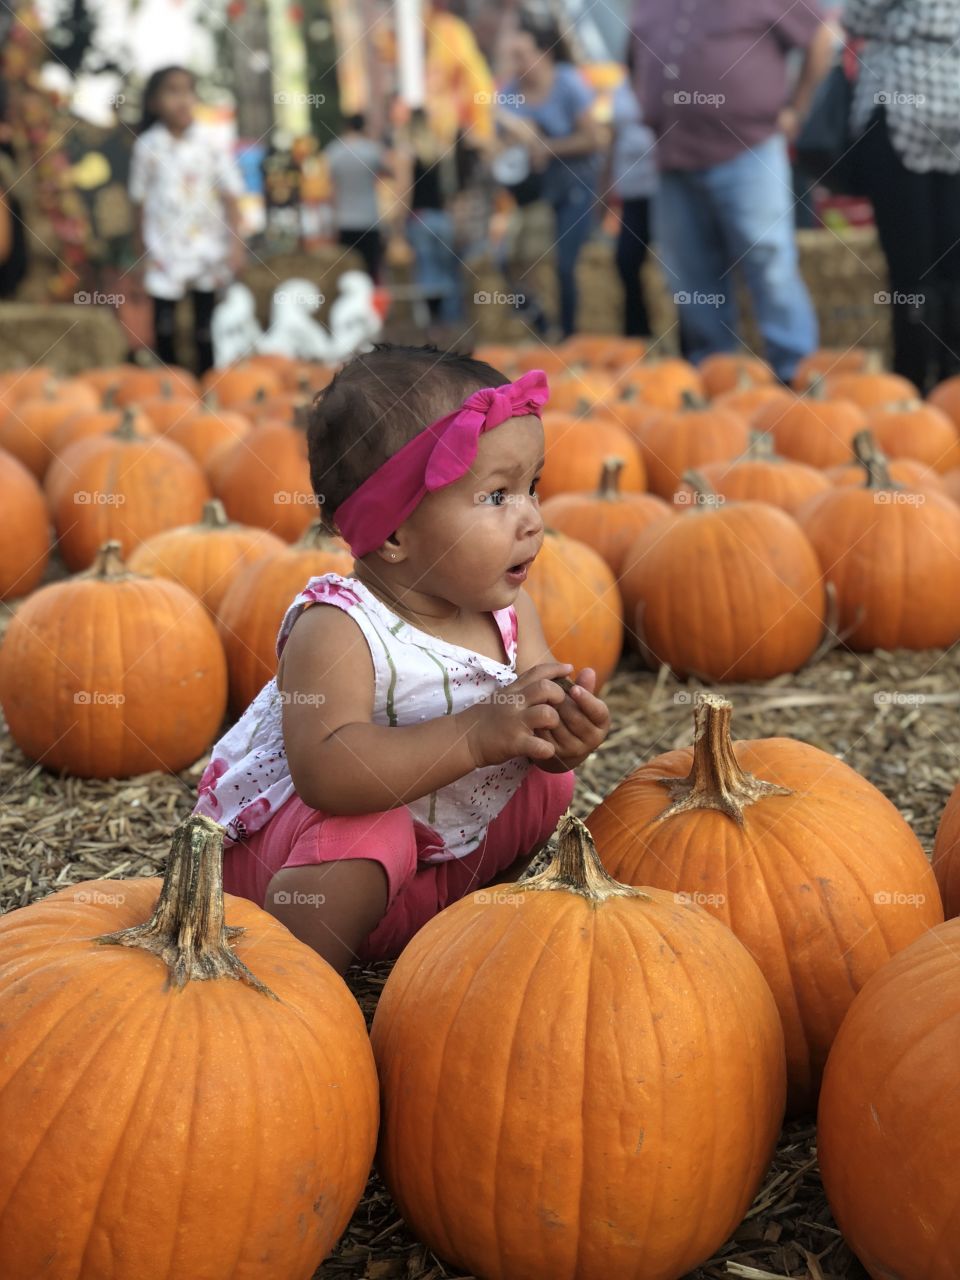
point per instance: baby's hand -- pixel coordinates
(514, 721)
(584, 721)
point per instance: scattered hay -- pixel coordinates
(892, 717)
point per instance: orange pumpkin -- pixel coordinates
(812, 429)
(499, 355)
(253, 606)
(946, 397)
(122, 486)
(893, 557)
(887, 1128)
(662, 383)
(832, 360)
(538, 356)
(108, 674)
(25, 384)
(903, 472)
(946, 855)
(24, 529)
(950, 482)
(106, 380)
(725, 372)
(241, 382)
(665, 1009)
(604, 351)
(143, 384)
(27, 427)
(581, 393)
(576, 449)
(206, 557)
(608, 520)
(751, 832)
(748, 400)
(205, 430)
(870, 390)
(731, 591)
(760, 475)
(579, 605)
(98, 422)
(264, 480)
(168, 408)
(916, 430)
(677, 440)
(120, 992)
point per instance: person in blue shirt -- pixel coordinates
(547, 91)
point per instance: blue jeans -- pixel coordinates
(574, 223)
(436, 266)
(738, 213)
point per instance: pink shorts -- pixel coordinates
(298, 836)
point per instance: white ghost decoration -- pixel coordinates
(235, 330)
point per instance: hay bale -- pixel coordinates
(68, 338)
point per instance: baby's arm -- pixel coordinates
(342, 763)
(584, 718)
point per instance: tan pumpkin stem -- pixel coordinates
(699, 483)
(690, 400)
(187, 930)
(576, 868)
(214, 515)
(610, 478)
(874, 463)
(715, 780)
(108, 563)
(760, 447)
(127, 427)
(815, 390)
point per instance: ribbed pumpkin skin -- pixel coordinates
(725, 372)
(24, 529)
(204, 431)
(209, 1133)
(830, 360)
(135, 487)
(250, 478)
(730, 594)
(204, 560)
(253, 607)
(545, 1070)
(579, 605)
(796, 882)
(903, 471)
(946, 855)
(662, 383)
(922, 432)
(869, 390)
(783, 484)
(576, 449)
(817, 432)
(897, 562)
(26, 428)
(674, 442)
(609, 525)
(99, 422)
(888, 1130)
(146, 640)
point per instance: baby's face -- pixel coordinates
(472, 542)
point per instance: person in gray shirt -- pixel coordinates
(355, 161)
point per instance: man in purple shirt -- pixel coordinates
(711, 76)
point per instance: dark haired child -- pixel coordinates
(185, 190)
(415, 744)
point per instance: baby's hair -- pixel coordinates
(153, 86)
(376, 404)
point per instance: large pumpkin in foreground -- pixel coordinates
(167, 1113)
(578, 1081)
(946, 855)
(109, 674)
(888, 1129)
(810, 865)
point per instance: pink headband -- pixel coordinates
(440, 454)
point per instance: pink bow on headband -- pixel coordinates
(439, 455)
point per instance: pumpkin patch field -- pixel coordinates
(712, 1032)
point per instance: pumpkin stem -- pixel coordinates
(127, 427)
(873, 462)
(815, 388)
(576, 868)
(210, 401)
(187, 930)
(715, 780)
(873, 361)
(108, 563)
(610, 478)
(110, 397)
(690, 400)
(760, 447)
(701, 486)
(214, 515)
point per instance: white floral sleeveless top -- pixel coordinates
(417, 677)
